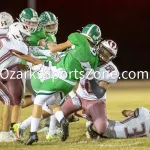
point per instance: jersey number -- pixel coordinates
(85, 65)
(110, 68)
(135, 132)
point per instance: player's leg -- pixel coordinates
(20, 128)
(30, 93)
(27, 100)
(52, 133)
(46, 91)
(15, 87)
(71, 105)
(97, 111)
(37, 111)
(64, 124)
(58, 96)
(7, 99)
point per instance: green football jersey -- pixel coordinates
(39, 35)
(51, 38)
(80, 58)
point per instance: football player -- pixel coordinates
(81, 58)
(135, 125)
(29, 17)
(9, 67)
(90, 95)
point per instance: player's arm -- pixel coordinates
(76, 86)
(73, 92)
(99, 89)
(59, 47)
(28, 58)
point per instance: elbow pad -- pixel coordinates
(98, 91)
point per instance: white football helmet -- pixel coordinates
(18, 31)
(5, 20)
(107, 50)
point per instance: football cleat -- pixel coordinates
(19, 132)
(65, 129)
(91, 134)
(33, 137)
(52, 137)
(6, 137)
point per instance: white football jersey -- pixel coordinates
(131, 127)
(6, 58)
(107, 72)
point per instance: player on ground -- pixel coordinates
(10, 65)
(137, 124)
(82, 57)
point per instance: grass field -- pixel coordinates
(123, 95)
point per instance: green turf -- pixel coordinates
(117, 99)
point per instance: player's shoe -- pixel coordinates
(6, 137)
(58, 131)
(52, 137)
(43, 130)
(91, 134)
(12, 134)
(64, 123)
(33, 137)
(19, 132)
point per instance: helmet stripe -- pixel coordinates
(48, 16)
(33, 12)
(89, 30)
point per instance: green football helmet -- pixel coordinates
(49, 21)
(93, 33)
(30, 18)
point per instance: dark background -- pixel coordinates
(126, 22)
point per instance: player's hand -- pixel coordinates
(23, 67)
(51, 45)
(42, 42)
(128, 113)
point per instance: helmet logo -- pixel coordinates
(112, 44)
(96, 37)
